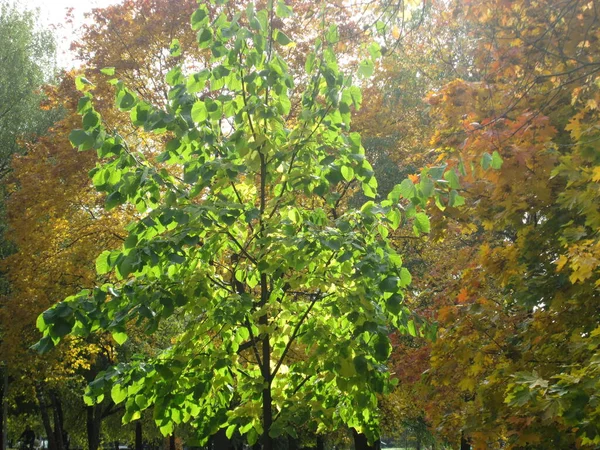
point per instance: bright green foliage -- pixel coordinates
(26, 62)
(286, 298)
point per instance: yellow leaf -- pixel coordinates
(562, 260)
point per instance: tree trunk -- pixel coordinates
(293, 443)
(464, 444)
(46, 419)
(320, 443)
(138, 436)
(4, 410)
(361, 443)
(220, 441)
(58, 421)
(93, 428)
(172, 445)
(267, 406)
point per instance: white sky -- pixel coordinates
(52, 15)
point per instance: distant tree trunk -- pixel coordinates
(292, 443)
(46, 419)
(464, 444)
(220, 441)
(57, 414)
(172, 445)
(3, 409)
(320, 443)
(361, 443)
(138, 436)
(94, 419)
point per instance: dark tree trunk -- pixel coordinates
(94, 419)
(267, 399)
(464, 444)
(138, 436)
(172, 445)
(293, 443)
(3, 385)
(320, 443)
(46, 419)
(220, 441)
(361, 443)
(57, 414)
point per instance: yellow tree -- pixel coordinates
(518, 335)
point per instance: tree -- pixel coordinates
(27, 57)
(260, 275)
(519, 318)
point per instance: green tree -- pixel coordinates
(286, 298)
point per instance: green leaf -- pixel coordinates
(452, 179)
(40, 323)
(199, 112)
(426, 186)
(405, 277)
(486, 161)
(394, 303)
(204, 38)
(347, 173)
(90, 120)
(175, 48)
(375, 50)
(366, 69)
(455, 200)
(382, 347)
(496, 161)
(82, 83)
(199, 18)
(281, 38)
(118, 393)
(406, 189)
(422, 222)
(102, 265)
(411, 328)
(368, 191)
(394, 217)
(114, 199)
(119, 336)
(44, 345)
(108, 71)
(230, 430)
(283, 10)
(60, 327)
(81, 139)
(125, 100)
(389, 284)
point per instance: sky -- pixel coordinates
(52, 15)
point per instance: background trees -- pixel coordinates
(26, 62)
